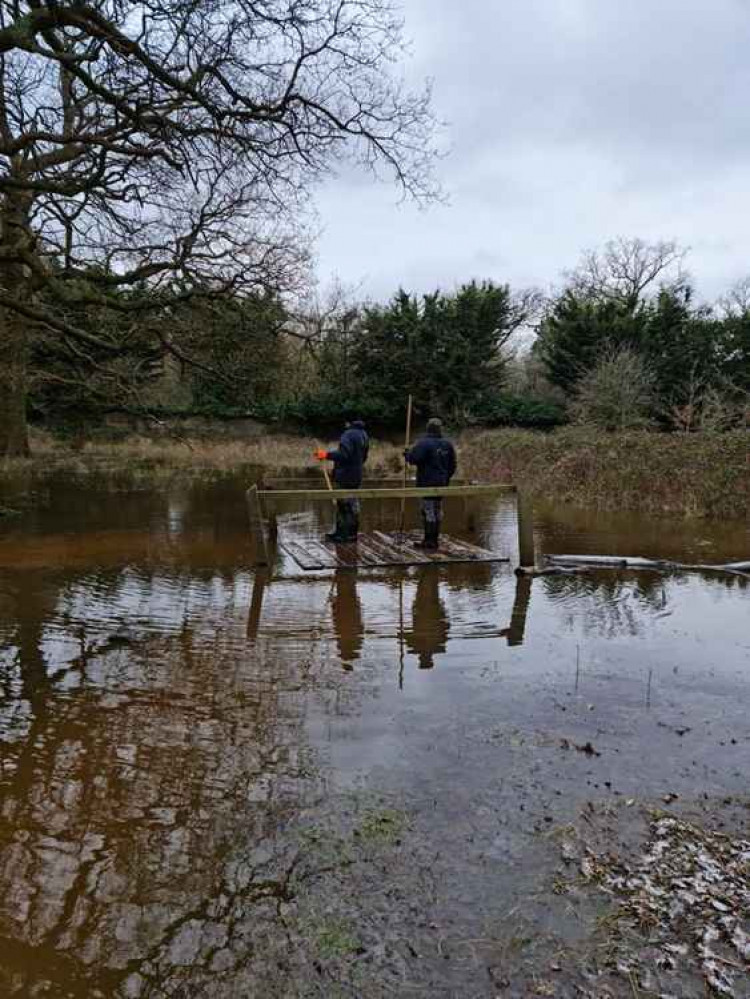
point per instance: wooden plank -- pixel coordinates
(408, 547)
(454, 549)
(307, 559)
(367, 555)
(460, 547)
(384, 550)
(345, 554)
(333, 555)
(301, 557)
(276, 495)
(380, 550)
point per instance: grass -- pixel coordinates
(141, 458)
(703, 475)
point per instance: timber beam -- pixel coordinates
(274, 495)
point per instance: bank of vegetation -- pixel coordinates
(699, 474)
(693, 475)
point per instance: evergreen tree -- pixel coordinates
(681, 346)
(580, 329)
(735, 351)
(447, 350)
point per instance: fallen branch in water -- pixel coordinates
(578, 563)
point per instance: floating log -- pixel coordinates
(610, 561)
(631, 562)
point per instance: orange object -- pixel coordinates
(321, 455)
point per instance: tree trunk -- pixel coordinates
(15, 237)
(14, 440)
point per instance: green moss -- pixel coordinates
(383, 826)
(334, 939)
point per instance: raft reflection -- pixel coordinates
(412, 608)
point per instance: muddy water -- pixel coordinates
(215, 782)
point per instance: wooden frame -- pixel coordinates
(260, 499)
(411, 492)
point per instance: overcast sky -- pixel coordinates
(570, 122)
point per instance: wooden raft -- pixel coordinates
(376, 548)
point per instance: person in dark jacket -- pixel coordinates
(435, 459)
(348, 464)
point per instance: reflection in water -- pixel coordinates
(347, 618)
(303, 612)
(429, 621)
(612, 603)
(160, 719)
(147, 769)
(515, 633)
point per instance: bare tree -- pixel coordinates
(736, 302)
(526, 309)
(625, 269)
(171, 145)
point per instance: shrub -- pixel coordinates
(618, 394)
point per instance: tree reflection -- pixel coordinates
(615, 602)
(134, 802)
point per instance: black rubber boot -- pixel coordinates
(353, 527)
(425, 542)
(432, 533)
(436, 535)
(338, 534)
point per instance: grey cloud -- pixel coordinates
(570, 121)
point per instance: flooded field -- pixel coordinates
(220, 782)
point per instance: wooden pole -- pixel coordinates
(329, 484)
(401, 633)
(257, 524)
(526, 553)
(329, 488)
(407, 442)
(269, 516)
(262, 578)
(327, 477)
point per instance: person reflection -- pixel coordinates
(430, 626)
(347, 618)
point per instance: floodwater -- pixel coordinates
(217, 782)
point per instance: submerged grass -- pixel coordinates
(142, 460)
(705, 475)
